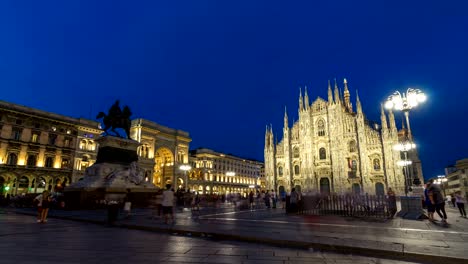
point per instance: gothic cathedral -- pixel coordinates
(333, 149)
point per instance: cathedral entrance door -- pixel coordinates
(324, 186)
(379, 189)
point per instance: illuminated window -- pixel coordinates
(83, 144)
(65, 163)
(34, 137)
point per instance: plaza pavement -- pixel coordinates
(60, 241)
(400, 239)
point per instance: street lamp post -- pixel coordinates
(185, 168)
(405, 102)
(405, 163)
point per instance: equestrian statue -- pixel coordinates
(116, 118)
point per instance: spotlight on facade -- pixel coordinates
(230, 173)
(404, 163)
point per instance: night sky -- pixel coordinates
(222, 70)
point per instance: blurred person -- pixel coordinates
(167, 203)
(460, 200)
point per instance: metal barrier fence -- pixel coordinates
(365, 206)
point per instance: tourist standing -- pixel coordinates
(391, 202)
(46, 199)
(267, 199)
(168, 203)
(460, 200)
(38, 202)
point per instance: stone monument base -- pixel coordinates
(92, 198)
(114, 176)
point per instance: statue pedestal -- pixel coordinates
(114, 175)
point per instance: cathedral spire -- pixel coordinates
(358, 104)
(337, 94)
(383, 118)
(391, 120)
(330, 94)
(347, 96)
(306, 99)
(286, 125)
(301, 102)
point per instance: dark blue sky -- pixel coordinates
(223, 70)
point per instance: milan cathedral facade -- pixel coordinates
(334, 149)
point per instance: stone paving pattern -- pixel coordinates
(396, 238)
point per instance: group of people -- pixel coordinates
(269, 198)
(435, 202)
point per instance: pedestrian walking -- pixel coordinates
(274, 198)
(460, 200)
(196, 202)
(293, 201)
(251, 199)
(267, 199)
(453, 200)
(168, 203)
(437, 199)
(430, 207)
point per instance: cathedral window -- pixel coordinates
(376, 164)
(280, 171)
(296, 152)
(296, 170)
(352, 146)
(321, 128)
(322, 153)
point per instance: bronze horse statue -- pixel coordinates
(116, 118)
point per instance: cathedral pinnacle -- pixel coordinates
(337, 94)
(306, 99)
(358, 103)
(286, 123)
(383, 118)
(330, 94)
(301, 103)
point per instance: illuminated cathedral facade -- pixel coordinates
(333, 148)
